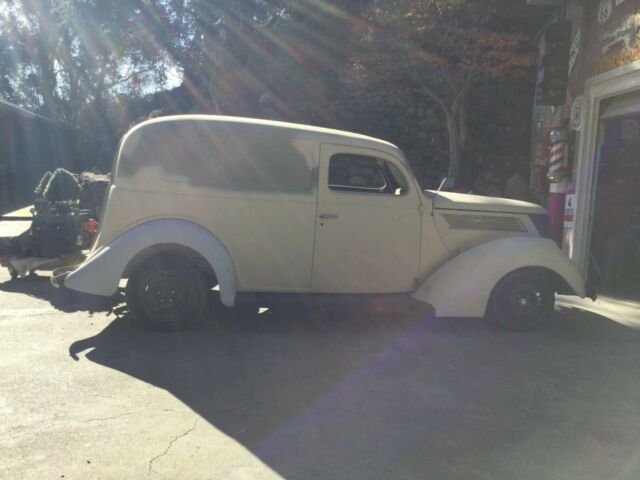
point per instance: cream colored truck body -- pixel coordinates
(254, 199)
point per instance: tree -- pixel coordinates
(64, 54)
(233, 53)
(444, 48)
(60, 56)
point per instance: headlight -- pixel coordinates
(541, 221)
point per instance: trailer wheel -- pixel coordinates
(523, 300)
(13, 273)
(166, 293)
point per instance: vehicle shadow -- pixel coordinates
(62, 299)
(382, 390)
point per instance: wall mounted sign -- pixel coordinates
(604, 11)
(620, 57)
(616, 60)
(618, 36)
(576, 112)
(543, 115)
(575, 49)
(569, 208)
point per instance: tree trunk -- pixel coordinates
(213, 96)
(455, 116)
(455, 150)
(47, 81)
(462, 127)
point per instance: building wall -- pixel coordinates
(596, 61)
(607, 65)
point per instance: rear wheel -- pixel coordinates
(523, 300)
(167, 293)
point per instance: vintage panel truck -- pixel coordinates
(265, 206)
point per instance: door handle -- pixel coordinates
(327, 216)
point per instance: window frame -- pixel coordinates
(387, 188)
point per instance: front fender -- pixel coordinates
(100, 274)
(462, 286)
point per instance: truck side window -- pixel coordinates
(357, 173)
(397, 178)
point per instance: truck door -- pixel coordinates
(368, 223)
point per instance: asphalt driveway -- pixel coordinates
(323, 389)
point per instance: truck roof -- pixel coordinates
(321, 133)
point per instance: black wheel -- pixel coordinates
(167, 293)
(523, 300)
(13, 273)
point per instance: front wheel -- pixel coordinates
(167, 293)
(522, 300)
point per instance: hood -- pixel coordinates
(479, 203)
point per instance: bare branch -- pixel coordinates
(423, 84)
(464, 90)
(437, 98)
(127, 77)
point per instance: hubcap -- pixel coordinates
(164, 292)
(525, 298)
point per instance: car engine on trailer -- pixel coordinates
(64, 220)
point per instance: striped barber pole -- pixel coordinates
(556, 155)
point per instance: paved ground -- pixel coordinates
(320, 391)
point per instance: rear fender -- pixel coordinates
(100, 274)
(462, 286)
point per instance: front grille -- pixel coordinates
(484, 222)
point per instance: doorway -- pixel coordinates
(615, 233)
